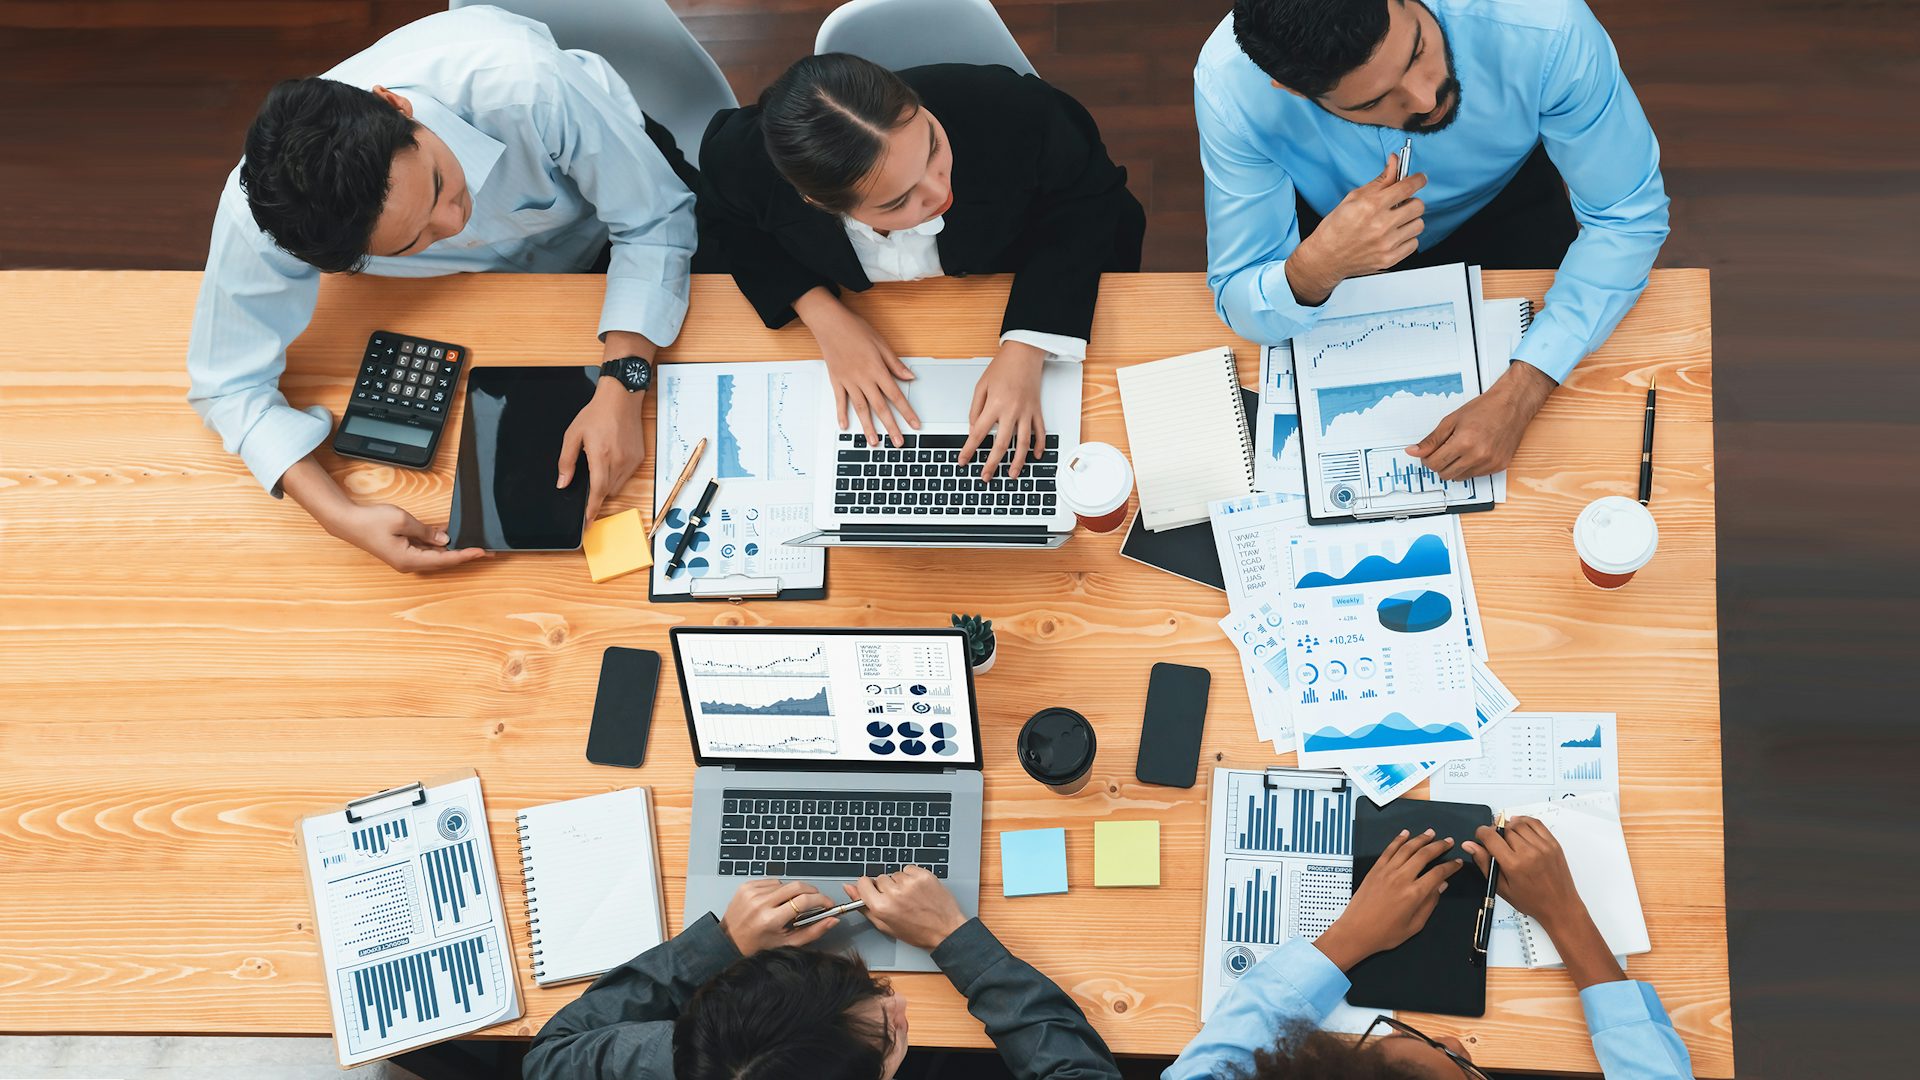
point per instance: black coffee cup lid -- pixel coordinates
(1056, 745)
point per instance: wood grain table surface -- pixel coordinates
(190, 665)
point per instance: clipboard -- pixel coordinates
(1394, 505)
(739, 588)
(408, 913)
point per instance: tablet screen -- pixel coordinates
(510, 437)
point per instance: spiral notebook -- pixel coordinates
(1588, 830)
(593, 884)
(1187, 431)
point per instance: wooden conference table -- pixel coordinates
(191, 666)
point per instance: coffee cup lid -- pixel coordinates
(1096, 479)
(1615, 535)
(1056, 745)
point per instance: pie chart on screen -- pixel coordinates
(1415, 612)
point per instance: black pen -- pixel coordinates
(694, 521)
(1646, 446)
(1483, 925)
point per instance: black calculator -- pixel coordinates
(401, 399)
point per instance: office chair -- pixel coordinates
(907, 33)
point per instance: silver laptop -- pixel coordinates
(921, 494)
(828, 754)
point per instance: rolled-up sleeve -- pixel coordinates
(1598, 136)
(254, 300)
(1252, 227)
(1632, 1036)
(648, 212)
(1291, 985)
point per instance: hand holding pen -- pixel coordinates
(1483, 923)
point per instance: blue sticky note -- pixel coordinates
(1033, 862)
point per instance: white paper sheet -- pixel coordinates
(1492, 702)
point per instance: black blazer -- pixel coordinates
(1034, 195)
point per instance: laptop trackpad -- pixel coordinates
(943, 393)
(856, 934)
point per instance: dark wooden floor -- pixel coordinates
(1793, 156)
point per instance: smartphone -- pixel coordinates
(1170, 731)
(623, 707)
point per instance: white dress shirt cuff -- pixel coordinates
(1057, 346)
(642, 307)
(280, 438)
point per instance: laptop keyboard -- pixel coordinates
(833, 833)
(925, 478)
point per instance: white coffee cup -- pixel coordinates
(1614, 538)
(1096, 481)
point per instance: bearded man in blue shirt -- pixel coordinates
(1531, 149)
(468, 141)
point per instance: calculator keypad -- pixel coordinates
(409, 375)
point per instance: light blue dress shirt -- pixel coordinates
(1530, 71)
(1296, 983)
(557, 161)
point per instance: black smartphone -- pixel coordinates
(1170, 732)
(623, 707)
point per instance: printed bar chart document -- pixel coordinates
(412, 931)
(1390, 357)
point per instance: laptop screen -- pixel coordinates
(832, 698)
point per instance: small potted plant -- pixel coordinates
(980, 647)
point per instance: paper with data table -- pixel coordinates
(1279, 866)
(760, 421)
(407, 905)
(1389, 357)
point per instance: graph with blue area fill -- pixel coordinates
(1285, 426)
(1395, 729)
(1338, 401)
(729, 443)
(416, 994)
(1592, 740)
(814, 704)
(374, 838)
(1425, 557)
(454, 884)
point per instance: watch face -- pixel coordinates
(633, 372)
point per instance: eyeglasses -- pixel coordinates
(1395, 1027)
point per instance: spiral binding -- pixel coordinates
(1240, 410)
(533, 908)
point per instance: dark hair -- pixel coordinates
(1304, 1052)
(1309, 45)
(780, 1014)
(825, 122)
(316, 172)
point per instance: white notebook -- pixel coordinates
(1187, 431)
(1588, 828)
(593, 884)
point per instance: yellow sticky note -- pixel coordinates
(617, 544)
(1126, 853)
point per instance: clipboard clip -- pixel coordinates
(1397, 505)
(417, 789)
(735, 588)
(1316, 779)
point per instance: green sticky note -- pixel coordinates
(1126, 853)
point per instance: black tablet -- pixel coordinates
(510, 437)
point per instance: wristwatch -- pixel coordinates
(634, 373)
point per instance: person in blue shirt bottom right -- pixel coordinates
(1530, 151)
(1265, 1027)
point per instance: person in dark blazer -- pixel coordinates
(738, 997)
(846, 173)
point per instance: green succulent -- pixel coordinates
(979, 633)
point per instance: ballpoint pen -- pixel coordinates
(694, 520)
(1406, 160)
(686, 472)
(1483, 924)
(816, 915)
(1646, 446)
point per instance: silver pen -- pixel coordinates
(1406, 160)
(815, 916)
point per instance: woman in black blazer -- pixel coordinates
(846, 173)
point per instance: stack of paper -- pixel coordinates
(1360, 643)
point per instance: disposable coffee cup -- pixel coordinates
(1096, 483)
(1614, 538)
(1056, 747)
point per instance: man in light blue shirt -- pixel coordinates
(1301, 103)
(1267, 1022)
(467, 141)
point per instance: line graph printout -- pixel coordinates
(846, 697)
(1279, 866)
(411, 929)
(758, 420)
(1277, 425)
(1537, 757)
(1388, 359)
(1375, 630)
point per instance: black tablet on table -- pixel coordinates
(504, 498)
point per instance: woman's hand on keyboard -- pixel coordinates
(759, 912)
(861, 366)
(1006, 402)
